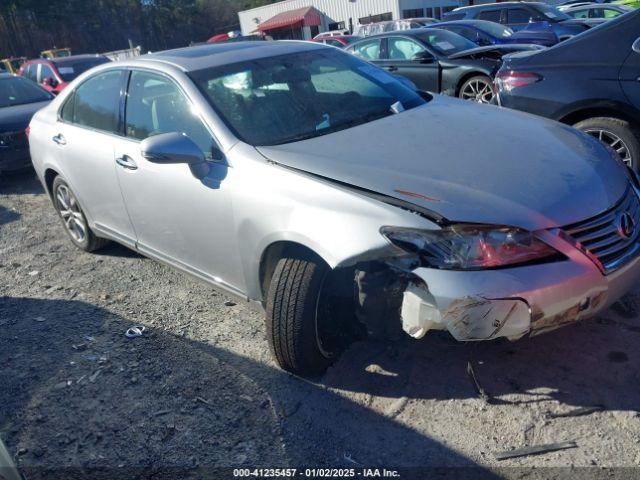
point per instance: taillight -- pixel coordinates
(510, 79)
(27, 130)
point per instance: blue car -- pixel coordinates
(483, 32)
(519, 15)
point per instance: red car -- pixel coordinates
(55, 74)
(339, 41)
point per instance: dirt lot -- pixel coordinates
(199, 388)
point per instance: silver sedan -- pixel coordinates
(336, 199)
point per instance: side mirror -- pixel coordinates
(423, 57)
(49, 82)
(171, 148)
(636, 45)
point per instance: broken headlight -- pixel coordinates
(471, 247)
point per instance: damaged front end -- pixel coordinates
(479, 282)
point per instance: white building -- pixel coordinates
(303, 19)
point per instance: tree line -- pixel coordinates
(91, 26)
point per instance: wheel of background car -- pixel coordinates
(293, 316)
(478, 88)
(73, 219)
(618, 134)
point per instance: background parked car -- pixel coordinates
(11, 65)
(483, 32)
(55, 53)
(19, 100)
(436, 60)
(518, 15)
(339, 41)
(393, 25)
(55, 74)
(597, 13)
(590, 82)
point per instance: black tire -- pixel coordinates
(89, 242)
(292, 303)
(627, 132)
(471, 83)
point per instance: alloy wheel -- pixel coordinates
(71, 214)
(613, 141)
(478, 90)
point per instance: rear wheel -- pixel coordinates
(478, 88)
(73, 219)
(295, 319)
(618, 134)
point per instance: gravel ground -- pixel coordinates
(199, 388)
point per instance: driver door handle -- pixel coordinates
(59, 139)
(127, 162)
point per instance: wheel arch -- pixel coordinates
(606, 108)
(467, 76)
(49, 176)
(274, 252)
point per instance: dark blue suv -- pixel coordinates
(519, 15)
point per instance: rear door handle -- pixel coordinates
(59, 139)
(127, 162)
(392, 68)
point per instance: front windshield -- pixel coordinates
(283, 99)
(496, 30)
(19, 91)
(70, 69)
(444, 42)
(552, 13)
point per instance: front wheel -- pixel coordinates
(620, 135)
(292, 316)
(73, 219)
(478, 88)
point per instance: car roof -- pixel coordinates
(469, 22)
(497, 5)
(75, 58)
(212, 55)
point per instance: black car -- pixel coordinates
(437, 60)
(19, 100)
(519, 15)
(590, 81)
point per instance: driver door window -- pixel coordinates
(156, 105)
(403, 48)
(45, 71)
(369, 50)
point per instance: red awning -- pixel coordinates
(307, 17)
(218, 38)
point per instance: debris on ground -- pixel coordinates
(134, 332)
(229, 303)
(534, 450)
(577, 412)
(476, 384)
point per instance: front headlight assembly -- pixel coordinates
(471, 246)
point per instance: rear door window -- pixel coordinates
(489, 15)
(518, 15)
(97, 102)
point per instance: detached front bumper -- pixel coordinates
(513, 302)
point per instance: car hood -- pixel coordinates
(469, 163)
(13, 119)
(491, 50)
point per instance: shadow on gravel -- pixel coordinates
(7, 216)
(76, 393)
(114, 249)
(20, 183)
(595, 362)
